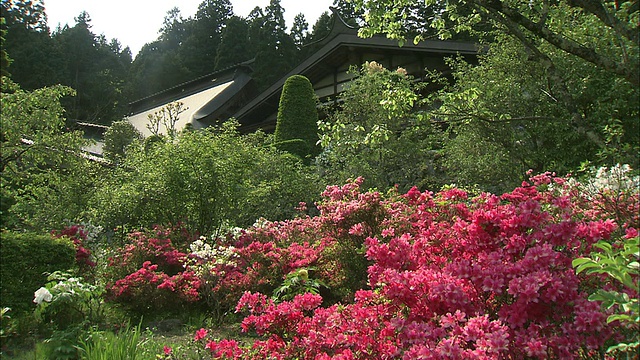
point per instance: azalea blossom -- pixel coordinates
(41, 295)
(200, 334)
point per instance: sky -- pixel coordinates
(136, 22)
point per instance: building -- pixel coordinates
(232, 92)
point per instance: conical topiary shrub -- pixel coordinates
(297, 124)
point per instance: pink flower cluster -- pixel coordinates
(150, 267)
(185, 284)
(450, 276)
(78, 235)
(260, 263)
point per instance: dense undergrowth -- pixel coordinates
(451, 274)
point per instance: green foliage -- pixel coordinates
(96, 68)
(73, 301)
(4, 324)
(508, 104)
(622, 264)
(299, 31)
(70, 55)
(233, 47)
(604, 34)
(546, 95)
(297, 282)
(5, 60)
(377, 134)
(42, 166)
(155, 69)
(32, 126)
(275, 51)
(296, 127)
(25, 258)
(63, 344)
(208, 179)
(201, 47)
(117, 138)
(473, 159)
(33, 53)
(126, 344)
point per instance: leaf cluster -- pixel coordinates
(622, 265)
(25, 260)
(378, 132)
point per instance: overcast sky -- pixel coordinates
(136, 22)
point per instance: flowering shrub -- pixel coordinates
(615, 193)
(66, 300)
(148, 267)
(84, 237)
(229, 266)
(450, 277)
(270, 255)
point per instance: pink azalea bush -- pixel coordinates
(149, 272)
(448, 276)
(332, 244)
(175, 268)
(78, 234)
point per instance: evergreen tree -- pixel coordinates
(200, 49)
(233, 48)
(155, 70)
(256, 20)
(96, 69)
(5, 60)
(174, 30)
(296, 126)
(349, 13)
(276, 52)
(299, 31)
(36, 60)
(159, 65)
(320, 30)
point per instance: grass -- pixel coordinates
(141, 342)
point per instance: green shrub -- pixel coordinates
(208, 180)
(116, 140)
(297, 118)
(25, 258)
(377, 133)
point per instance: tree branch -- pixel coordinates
(629, 71)
(597, 8)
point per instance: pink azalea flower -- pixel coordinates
(200, 334)
(167, 350)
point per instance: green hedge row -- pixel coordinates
(25, 261)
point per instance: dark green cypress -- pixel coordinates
(297, 123)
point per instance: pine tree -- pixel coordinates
(96, 69)
(200, 49)
(233, 48)
(299, 31)
(36, 60)
(276, 53)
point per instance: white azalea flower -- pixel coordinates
(41, 295)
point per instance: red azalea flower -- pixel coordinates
(200, 334)
(167, 350)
